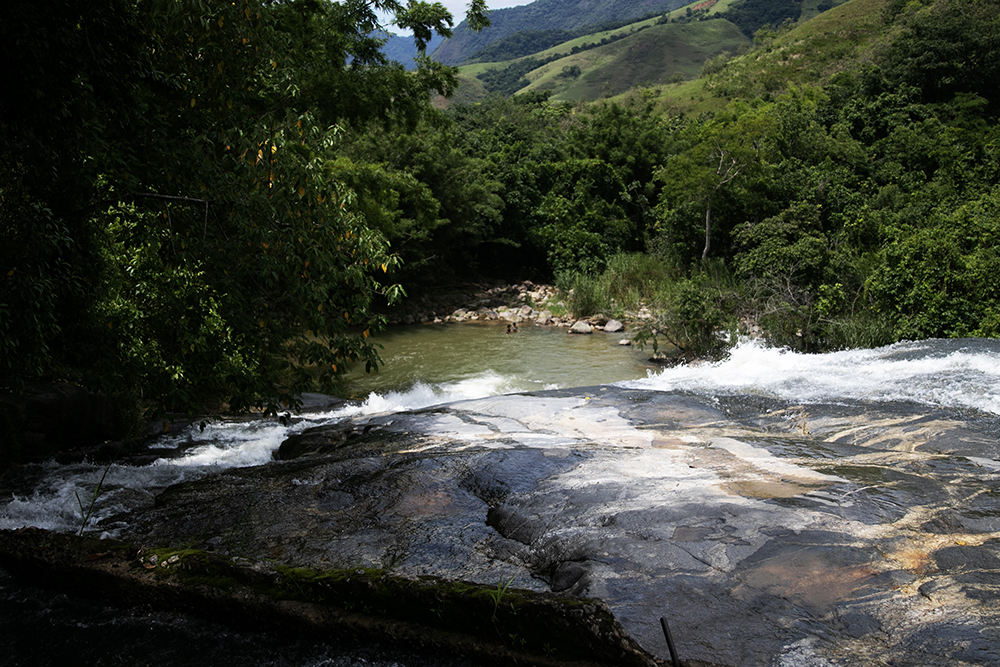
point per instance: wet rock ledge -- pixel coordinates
(490, 625)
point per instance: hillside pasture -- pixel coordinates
(647, 57)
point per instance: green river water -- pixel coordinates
(478, 359)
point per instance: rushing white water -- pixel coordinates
(949, 373)
(63, 495)
(960, 374)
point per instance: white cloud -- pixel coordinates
(459, 7)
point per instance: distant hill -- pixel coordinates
(665, 50)
(402, 49)
(604, 64)
(520, 44)
(657, 55)
(568, 15)
(826, 42)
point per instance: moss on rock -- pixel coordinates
(491, 625)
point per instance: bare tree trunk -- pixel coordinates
(708, 229)
(729, 168)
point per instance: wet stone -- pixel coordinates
(859, 624)
(968, 558)
(766, 533)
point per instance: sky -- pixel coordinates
(458, 8)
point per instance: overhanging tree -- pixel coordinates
(172, 232)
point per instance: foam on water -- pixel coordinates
(962, 374)
(959, 374)
(64, 494)
(423, 395)
(55, 504)
(240, 444)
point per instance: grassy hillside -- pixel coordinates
(648, 57)
(667, 61)
(545, 15)
(470, 90)
(809, 53)
(669, 52)
(593, 40)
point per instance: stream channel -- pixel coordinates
(424, 365)
(936, 404)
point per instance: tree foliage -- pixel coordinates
(752, 15)
(576, 183)
(206, 203)
(519, 44)
(947, 49)
(862, 217)
(175, 230)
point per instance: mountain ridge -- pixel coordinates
(543, 15)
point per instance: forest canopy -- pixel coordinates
(174, 231)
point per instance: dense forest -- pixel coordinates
(175, 232)
(208, 205)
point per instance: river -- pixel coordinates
(425, 366)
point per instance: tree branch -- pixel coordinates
(186, 200)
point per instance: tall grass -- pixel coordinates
(633, 278)
(580, 292)
(630, 280)
(860, 332)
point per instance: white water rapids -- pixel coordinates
(961, 374)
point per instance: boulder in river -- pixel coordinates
(614, 326)
(581, 327)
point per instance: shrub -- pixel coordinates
(692, 313)
(860, 332)
(715, 65)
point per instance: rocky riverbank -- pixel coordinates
(851, 531)
(520, 303)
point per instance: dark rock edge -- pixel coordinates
(428, 614)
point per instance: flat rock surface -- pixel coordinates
(764, 533)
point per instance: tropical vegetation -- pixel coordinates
(174, 231)
(213, 204)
